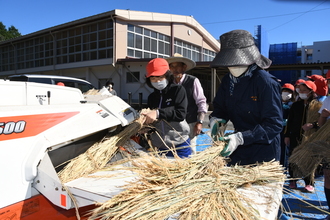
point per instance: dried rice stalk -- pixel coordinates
(307, 156)
(92, 92)
(312, 116)
(200, 187)
(97, 156)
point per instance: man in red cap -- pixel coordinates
(294, 131)
(168, 104)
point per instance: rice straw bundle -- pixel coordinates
(200, 187)
(309, 154)
(312, 116)
(92, 92)
(98, 155)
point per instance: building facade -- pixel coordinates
(290, 53)
(90, 48)
(319, 52)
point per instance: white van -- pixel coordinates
(83, 85)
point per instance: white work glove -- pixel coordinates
(232, 142)
(215, 124)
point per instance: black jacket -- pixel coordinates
(254, 107)
(171, 103)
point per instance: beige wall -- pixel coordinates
(120, 40)
(188, 34)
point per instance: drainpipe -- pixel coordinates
(15, 57)
(54, 50)
(172, 40)
(114, 40)
(120, 78)
(213, 82)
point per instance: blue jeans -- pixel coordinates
(182, 153)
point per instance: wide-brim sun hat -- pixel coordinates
(180, 59)
(311, 85)
(157, 67)
(238, 49)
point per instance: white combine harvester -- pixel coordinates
(41, 126)
(44, 125)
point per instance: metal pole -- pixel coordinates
(213, 82)
(140, 100)
(129, 98)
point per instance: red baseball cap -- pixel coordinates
(288, 86)
(299, 81)
(60, 84)
(311, 85)
(321, 84)
(327, 76)
(157, 67)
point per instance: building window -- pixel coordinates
(188, 50)
(208, 55)
(132, 77)
(89, 42)
(144, 43)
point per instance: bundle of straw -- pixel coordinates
(309, 154)
(98, 155)
(92, 92)
(200, 187)
(312, 116)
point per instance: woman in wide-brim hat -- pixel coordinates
(250, 98)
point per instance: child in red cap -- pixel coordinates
(321, 86)
(168, 103)
(294, 131)
(287, 101)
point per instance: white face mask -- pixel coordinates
(160, 85)
(297, 90)
(286, 96)
(303, 96)
(237, 70)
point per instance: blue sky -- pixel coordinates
(286, 21)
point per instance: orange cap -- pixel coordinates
(315, 77)
(327, 76)
(299, 81)
(311, 85)
(288, 86)
(321, 84)
(157, 67)
(60, 84)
